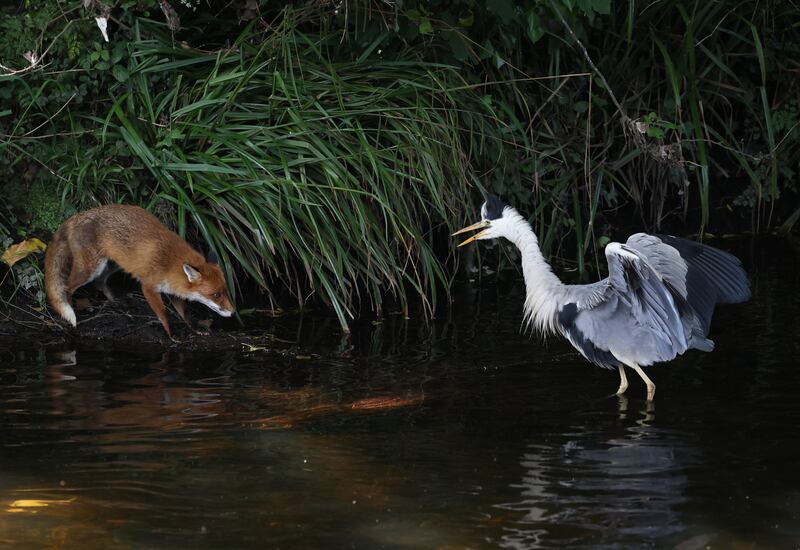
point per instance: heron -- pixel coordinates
(656, 303)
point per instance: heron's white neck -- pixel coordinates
(543, 288)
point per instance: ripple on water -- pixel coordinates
(461, 433)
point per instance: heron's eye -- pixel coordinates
(217, 295)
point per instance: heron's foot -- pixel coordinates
(622, 388)
(651, 391)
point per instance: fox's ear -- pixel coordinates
(191, 273)
(212, 257)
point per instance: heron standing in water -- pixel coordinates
(656, 302)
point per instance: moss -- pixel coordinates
(38, 204)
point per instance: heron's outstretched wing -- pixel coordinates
(703, 275)
(631, 316)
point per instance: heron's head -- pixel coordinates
(496, 221)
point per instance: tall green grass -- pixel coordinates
(328, 155)
(707, 132)
(309, 175)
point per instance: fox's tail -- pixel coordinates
(57, 263)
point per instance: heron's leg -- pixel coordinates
(623, 381)
(651, 388)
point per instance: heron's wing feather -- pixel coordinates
(703, 275)
(664, 259)
(632, 313)
(635, 280)
(672, 268)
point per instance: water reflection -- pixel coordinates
(594, 485)
(461, 432)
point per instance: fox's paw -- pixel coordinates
(203, 327)
(69, 316)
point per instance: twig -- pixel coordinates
(24, 152)
(52, 116)
(600, 75)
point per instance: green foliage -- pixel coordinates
(309, 174)
(327, 147)
(701, 88)
(304, 172)
(38, 203)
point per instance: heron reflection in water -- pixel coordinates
(655, 304)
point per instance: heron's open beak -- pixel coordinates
(480, 225)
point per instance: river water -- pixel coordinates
(461, 433)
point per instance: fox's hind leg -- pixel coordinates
(101, 282)
(84, 269)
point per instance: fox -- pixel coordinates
(139, 244)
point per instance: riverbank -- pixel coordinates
(128, 322)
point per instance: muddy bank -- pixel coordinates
(128, 322)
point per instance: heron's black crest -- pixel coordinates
(494, 207)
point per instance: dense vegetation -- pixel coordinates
(327, 148)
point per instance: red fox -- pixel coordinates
(140, 245)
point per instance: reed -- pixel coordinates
(312, 176)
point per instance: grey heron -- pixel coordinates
(655, 304)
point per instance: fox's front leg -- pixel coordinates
(180, 307)
(153, 298)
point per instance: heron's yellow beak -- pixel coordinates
(480, 225)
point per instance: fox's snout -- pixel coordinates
(225, 308)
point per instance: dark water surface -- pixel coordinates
(460, 434)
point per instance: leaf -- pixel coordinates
(602, 6)
(102, 24)
(425, 26)
(760, 51)
(19, 251)
(458, 45)
(503, 9)
(535, 28)
(467, 20)
(580, 106)
(120, 73)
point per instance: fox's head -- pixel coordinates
(207, 286)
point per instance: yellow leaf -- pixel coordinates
(16, 252)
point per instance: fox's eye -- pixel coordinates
(217, 295)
